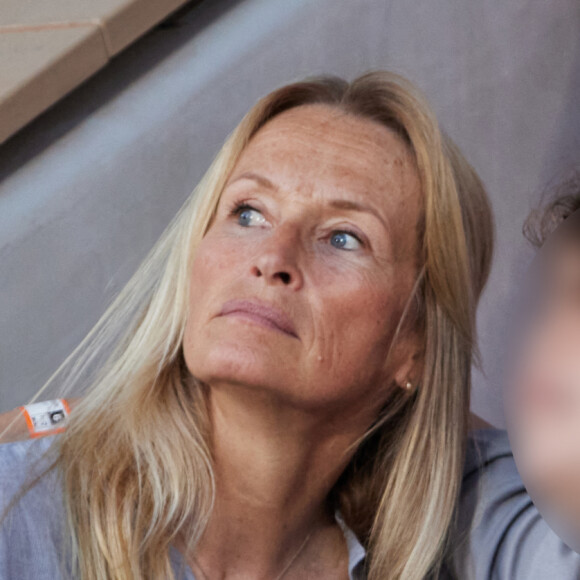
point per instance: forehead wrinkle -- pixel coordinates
(357, 141)
(351, 180)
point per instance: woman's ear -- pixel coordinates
(409, 372)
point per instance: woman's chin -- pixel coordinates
(232, 362)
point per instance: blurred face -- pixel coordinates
(300, 281)
(545, 404)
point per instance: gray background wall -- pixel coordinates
(87, 188)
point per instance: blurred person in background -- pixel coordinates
(544, 389)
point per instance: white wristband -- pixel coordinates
(46, 417)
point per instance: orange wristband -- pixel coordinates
(46, 417)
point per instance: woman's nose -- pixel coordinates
(278, 259)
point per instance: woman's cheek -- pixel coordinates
(356, 317)
(218, 253)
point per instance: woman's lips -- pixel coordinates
(261, 313)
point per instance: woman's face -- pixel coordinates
(545, 402)
(299, 283)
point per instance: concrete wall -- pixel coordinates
(88, 187)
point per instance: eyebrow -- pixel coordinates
(259, 179)
(355, 206)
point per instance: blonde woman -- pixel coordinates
(282, 389)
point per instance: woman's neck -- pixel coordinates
(275, 466)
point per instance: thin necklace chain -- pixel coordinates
(286, 568)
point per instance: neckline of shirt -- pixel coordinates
(356, 552)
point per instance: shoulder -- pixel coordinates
(18, 454)
(489, 462)
(500, 533)
(31, 511)
(485, 446)
(20, 462)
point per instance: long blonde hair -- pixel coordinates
(135, 460)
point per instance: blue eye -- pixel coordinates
(345, 241)
(249, 217)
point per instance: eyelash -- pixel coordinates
(238, 207)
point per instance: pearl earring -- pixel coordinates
(408, 385)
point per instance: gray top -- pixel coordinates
(31, 537)
(500, 535)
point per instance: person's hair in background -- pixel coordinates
(564, 201)
(136, 458)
